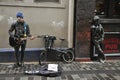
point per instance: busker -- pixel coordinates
(18, 30)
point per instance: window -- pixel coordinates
(108, 8)
(117, 7)
(9, 1)
(34, 3)
(100, 7)
(18, 0)
(56, 1)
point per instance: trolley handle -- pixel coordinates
(43, 36)
(62, 39)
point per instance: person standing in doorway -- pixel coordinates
(97, 36)
(18, 30)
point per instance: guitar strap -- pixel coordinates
(25, 29)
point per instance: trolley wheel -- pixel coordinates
(68, 56)
(42, 57)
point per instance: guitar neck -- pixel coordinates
(25, 38)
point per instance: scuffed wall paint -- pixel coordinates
(58, 24)
(11, 20)
(1, 17)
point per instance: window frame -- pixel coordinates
(36, 5)
(108, 10)
(47, 1)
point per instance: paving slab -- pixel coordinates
(72, 71)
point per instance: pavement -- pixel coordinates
(110, 70)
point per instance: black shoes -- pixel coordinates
(16, 65)
(21, 64)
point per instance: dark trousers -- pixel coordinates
(20, 57)
(98, 46)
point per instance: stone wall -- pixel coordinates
(83, 16)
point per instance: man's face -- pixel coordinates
(20, 19)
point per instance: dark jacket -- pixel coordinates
(17, 30)
(97, 32)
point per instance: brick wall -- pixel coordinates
(83, 15)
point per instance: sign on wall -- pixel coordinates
(111, 44)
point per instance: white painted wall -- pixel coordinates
(46, 18)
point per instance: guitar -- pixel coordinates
(16, 41)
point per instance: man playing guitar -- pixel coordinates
(19, 31)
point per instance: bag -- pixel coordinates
(43, 71)
(11, 41)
